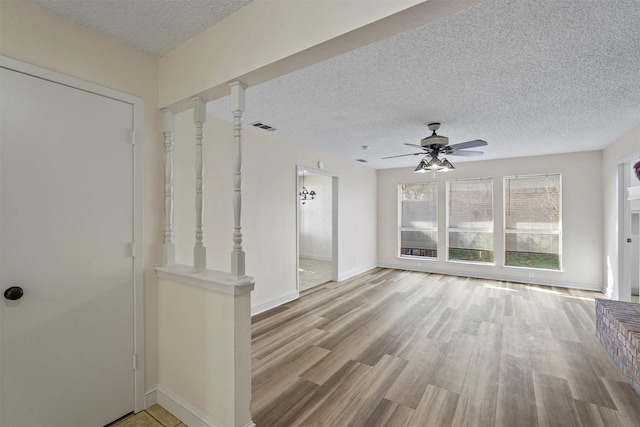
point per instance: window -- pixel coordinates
(419, 220)
(470, 220)
(532, 221)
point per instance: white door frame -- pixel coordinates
(622, 291)
(334, 222)
(138, 182)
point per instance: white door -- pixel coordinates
(66, 223)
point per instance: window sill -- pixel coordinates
(416, 258)
(456, 261)
(516, 267)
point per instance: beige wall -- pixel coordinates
(581, 218)
(627, 145)
(269, 206)
(192, 365)
(38, 37)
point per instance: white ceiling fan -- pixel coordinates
(434, 145)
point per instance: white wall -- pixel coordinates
(581, 218)
(626, 145)
(270, 196)
(315, 219)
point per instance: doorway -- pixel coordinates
(317, 227)
(71, 332)
(629, 231)
(635, 250)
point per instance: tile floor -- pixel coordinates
(154, 416)
(313, 272)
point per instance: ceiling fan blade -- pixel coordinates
(468, 144)
(465, 153)
(416, 146)
(402, 155)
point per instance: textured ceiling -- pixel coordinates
(530, 77)
(153, 26)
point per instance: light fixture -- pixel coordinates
(304, 193)
(434, 164)
(421, 168)
(446, 165)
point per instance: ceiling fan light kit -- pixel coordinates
(435, 165)
(434, 145)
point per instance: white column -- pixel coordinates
(199, 251)
(237, 108)
(168, 130)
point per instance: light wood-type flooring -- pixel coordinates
(397, 348)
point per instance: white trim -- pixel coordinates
(180, 409)
(356, 271)
(316, 257)
(137, 118)
(52, 76)
(207, 279)
(283, 299)
(505, 278)
(335, 258)
(138, 238)
(151, 397)
(629, 157)
(622, 287)
(183, 411)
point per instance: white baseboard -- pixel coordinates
(275, 302)
(150, 397)
(184, 411)
(180, 409)
(355, 272)
(317, 257)
(502, 277)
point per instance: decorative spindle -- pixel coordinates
(199, 251)
(168, 129)
(237, 108)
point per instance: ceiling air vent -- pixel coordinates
(262, 126)
(362, 160)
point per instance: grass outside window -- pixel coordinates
(533, 260)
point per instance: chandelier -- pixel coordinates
(305, 194)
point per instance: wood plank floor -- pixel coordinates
(397, 348)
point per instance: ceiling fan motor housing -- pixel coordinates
(434, 140)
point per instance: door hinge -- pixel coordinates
(133, 137)
(133, 249)
(135, 364)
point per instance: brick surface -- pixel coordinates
(618, 329)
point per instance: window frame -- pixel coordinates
(400, 227)
(490, 230)
(557, 232)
